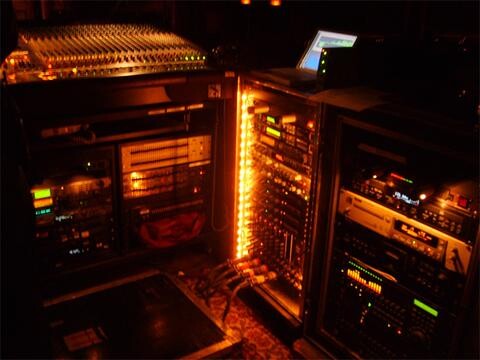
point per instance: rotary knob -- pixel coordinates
(419, 343)
(417, 336)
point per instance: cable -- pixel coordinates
(245, 274)
(234, 293)
(254, 281)
(236, 267)
(252, 267)
(211, 276)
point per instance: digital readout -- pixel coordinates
(416, 233)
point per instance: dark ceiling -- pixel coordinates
(268, 36)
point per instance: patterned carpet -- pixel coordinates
(258, 342)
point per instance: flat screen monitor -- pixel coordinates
(323, 40)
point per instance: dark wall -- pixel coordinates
(266, 36)
(425, 49)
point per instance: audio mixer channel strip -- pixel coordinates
(82, 51)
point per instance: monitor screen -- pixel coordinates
(323, 40)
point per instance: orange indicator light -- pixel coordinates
(355, 275)
(244, 180)
(42, 203)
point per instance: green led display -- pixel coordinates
(400, 177)
(273, 132)
(365, 271)
(43, 211)
(41, 194)
(270, 119)
(425, 307)
(336, 43)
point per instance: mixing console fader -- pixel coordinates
(80, 51)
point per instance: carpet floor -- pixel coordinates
(257, 341)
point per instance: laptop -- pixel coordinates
(304, 75)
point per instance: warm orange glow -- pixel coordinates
(12, 61)
(355, 275)
(47, 76)
(42, 203)
(244, 181)
(275, 2)
(245, 2)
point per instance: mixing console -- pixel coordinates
(99, 51)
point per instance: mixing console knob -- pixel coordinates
(418, 341)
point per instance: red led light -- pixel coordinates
(462, 202)
(400, 177)
(397, 176)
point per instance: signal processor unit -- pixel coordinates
(124, 124)
(394, 272)
(278, 135)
